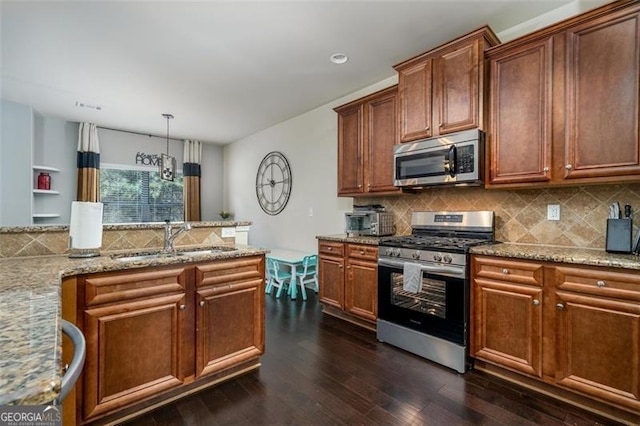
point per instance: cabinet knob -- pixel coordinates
(545, 169)
(568, 167)
(361, 252)
(182, 307)
(536, 302)
(359, 185)
(427, 128)
(202, 303)
(560, 306)
(440, 125)
(505, 271)
(329, 248)
(339, 266)
(600, 283)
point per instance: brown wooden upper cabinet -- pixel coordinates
(367, 132)
(441, 91)
(564, 102)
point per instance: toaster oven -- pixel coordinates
(368, 223)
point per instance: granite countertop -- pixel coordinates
(574, 255)
(344, 238)
(119, 226)
(30, 318)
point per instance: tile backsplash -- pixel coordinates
(521, 215)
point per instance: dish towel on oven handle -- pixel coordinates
(412, 277)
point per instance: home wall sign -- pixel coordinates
(273, 183)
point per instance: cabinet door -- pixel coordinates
(519, 137)
(331, 276)
(598, 347)
(361, 289)
(229, 327)
(456, 81)
(508, 325)
(350, 150)
(414, 89)
(134, 351)
(382, 135)
(603, 98)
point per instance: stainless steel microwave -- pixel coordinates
(368, 223)
(453, 159)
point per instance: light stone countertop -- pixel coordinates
(573, 255)
(344, 238)
(30, 315)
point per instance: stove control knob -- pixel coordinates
(397, 252)
(437, 257)
(416, 254)
(389, 252)
(447, 258)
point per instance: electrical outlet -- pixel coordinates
(553, 212)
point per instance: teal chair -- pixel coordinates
(308, 274)
(276, 277)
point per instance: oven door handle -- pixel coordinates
(434, 269)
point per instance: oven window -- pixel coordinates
(430, 300)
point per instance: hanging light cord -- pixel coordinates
(168, 117)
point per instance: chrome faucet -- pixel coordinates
(171, 234)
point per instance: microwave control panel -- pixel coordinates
(465, 157)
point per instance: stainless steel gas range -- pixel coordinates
(424, 287)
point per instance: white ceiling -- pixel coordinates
(224, 69)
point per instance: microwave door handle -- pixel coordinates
(452, 159)
(433, 269)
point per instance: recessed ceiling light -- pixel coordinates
(339, 58)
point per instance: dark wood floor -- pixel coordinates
(319, 370)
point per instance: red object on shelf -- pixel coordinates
(44, 181)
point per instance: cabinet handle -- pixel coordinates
(568, 167)
(600, 283)
(440, 125)
(339, 266)
(505, 271)
(329, 248)
(361, 252)
(545, 169)
(427, 128)
(536, 302)
(560, 306)
(359, 185)
(182, 307)
(202, 303)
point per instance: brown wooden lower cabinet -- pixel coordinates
(576, 328)
(348, 279)
(154, 331)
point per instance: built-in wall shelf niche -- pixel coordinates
(42, 203)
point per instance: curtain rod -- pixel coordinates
(139, 133)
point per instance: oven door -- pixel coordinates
(439, 308)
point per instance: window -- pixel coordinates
(139, 195)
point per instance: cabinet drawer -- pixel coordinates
(117, 287)
(331, 248)
(514, 271)
(360, 251)
(228, 272)
(602, 282)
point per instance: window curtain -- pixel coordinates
(191, 179)
(88, 163)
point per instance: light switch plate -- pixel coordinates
(553, 212)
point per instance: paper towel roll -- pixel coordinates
(85, 229)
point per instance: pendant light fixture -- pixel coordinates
(167, 162)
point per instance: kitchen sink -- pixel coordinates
(162, 255)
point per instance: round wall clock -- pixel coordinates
(273, 183)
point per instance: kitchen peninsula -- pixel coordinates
(37, 291)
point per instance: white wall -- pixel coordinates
(15, 168)
(309, 143)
